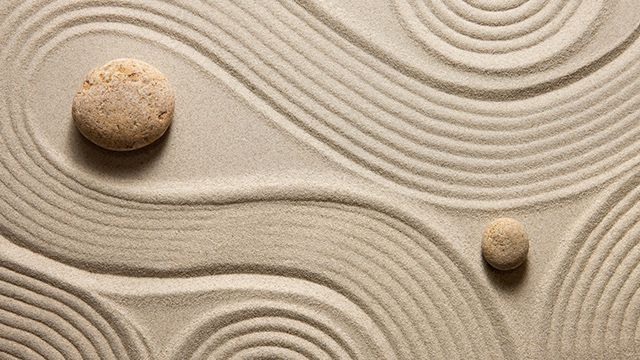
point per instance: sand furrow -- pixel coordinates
(420, 164)
(588, 309)
(469, 105)
(66, 322)
(409, 287)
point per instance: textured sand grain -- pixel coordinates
(326, 182)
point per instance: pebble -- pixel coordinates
(505, 244)
(124, 105)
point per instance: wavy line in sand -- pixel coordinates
(490, 5)
(454, 172)
(424, 301)
(41, 318)
(292, 315)
(594, 297)
(616, 28)
(258, 325)
(556, 29)
(16, 150)
(221, 316)
(192, 247)
(498, 17)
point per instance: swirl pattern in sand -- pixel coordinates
(529, 35)
(284, 318)
(420, 298)
(41, 319)
(483, 137)
(464, 104)
(592, 309)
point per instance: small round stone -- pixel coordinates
(505, 244)
(124, 105)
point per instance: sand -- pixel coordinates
(324, 187)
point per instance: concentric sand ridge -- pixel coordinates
(467, 104)
(543, 35)
(416, 294)
(497, 80)
(46, 320)
(591, 309)
(350, 103)
(283, 314)
(379, 263)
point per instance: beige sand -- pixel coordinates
(323, 190)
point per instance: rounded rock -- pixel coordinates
(124, 105)
(505, 244)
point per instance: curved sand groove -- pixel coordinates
(594, 291)
(272, 331)
(43, 319)
(290, 314)
(409, 285)
(490, 5)
(453, 165)
(497, 17)
(99, 227)
(493, 34)
(237, 307)
(504, 76)
(268, 352)
(428, 140)
(563, 27)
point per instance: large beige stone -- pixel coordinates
(124, 105)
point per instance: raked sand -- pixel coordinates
(324, 186)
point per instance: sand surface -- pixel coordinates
(324, 186)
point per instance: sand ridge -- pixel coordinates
(44, 318)
(414, 111)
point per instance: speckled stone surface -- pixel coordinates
(505, 244)
(124, 105)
